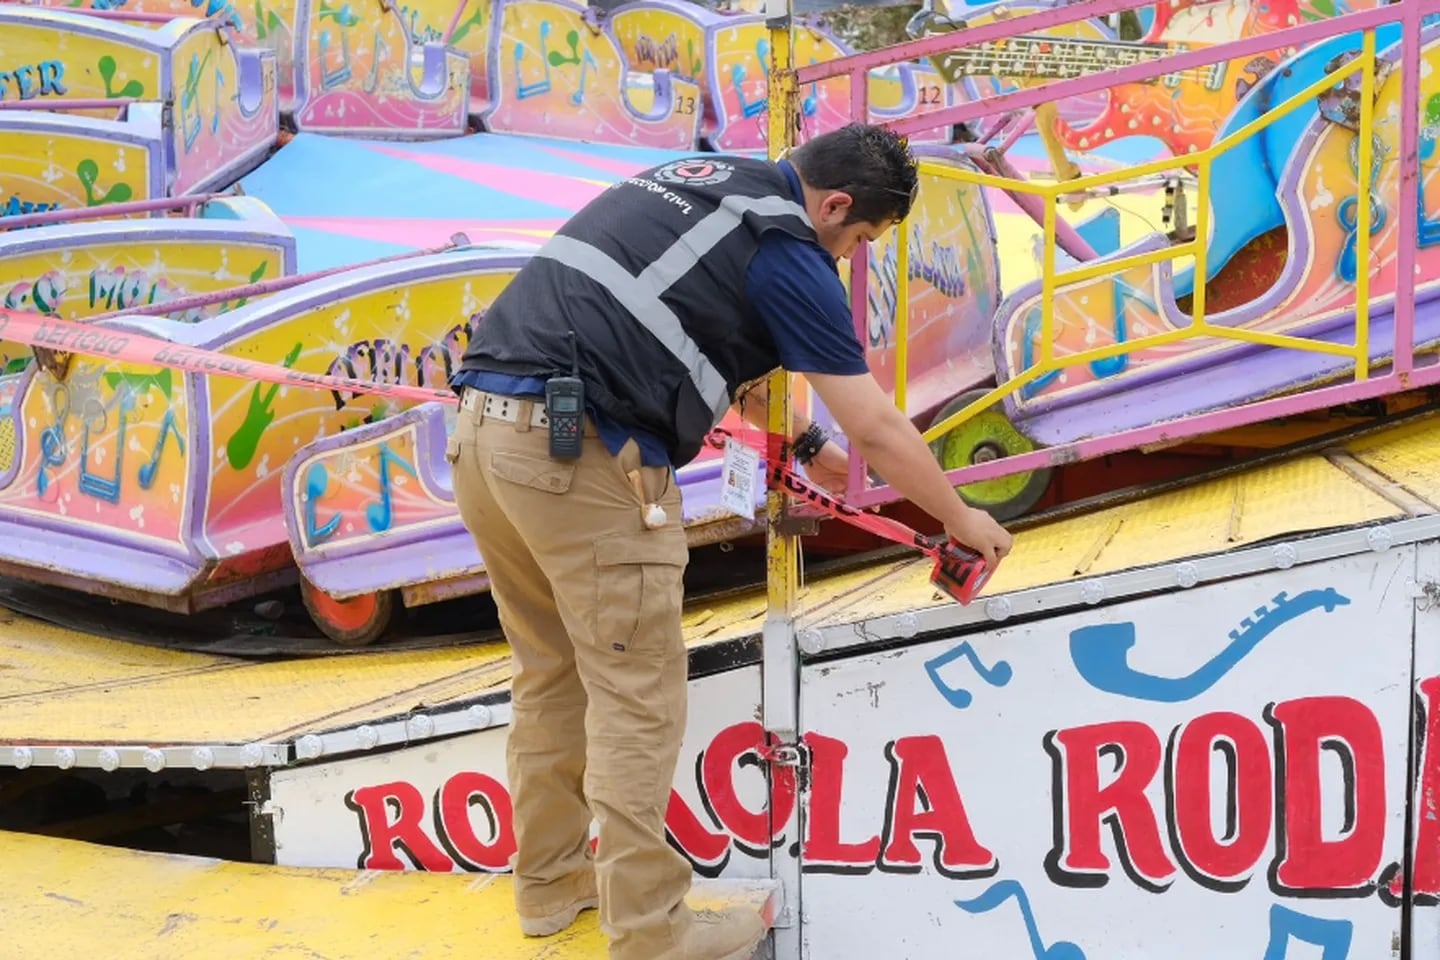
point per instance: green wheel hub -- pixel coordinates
(987, 436)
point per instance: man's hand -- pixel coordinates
(888, 440)
(830, 468)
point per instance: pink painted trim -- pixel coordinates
(1173, 430)
(109, 210)
(1409, 211)
(1104, 80)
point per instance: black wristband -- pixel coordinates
(807, 446)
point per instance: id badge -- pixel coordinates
(737, 479)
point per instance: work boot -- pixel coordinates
(552, 923)
(729, 934)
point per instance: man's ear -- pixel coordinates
(836, 206)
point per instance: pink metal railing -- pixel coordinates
(1403, 374)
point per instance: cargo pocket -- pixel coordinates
(639, 587)
(452, 449)
(530, 470)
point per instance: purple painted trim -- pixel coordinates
(199, 464)
(57, 106)
(712, 83)
(75, 235)
(22, 383)
(1106, 79)
(101, 557)
(448, 553)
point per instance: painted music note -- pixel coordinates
(1003, 890)
(190, 120)
(167, 429)
(379, 50)
(133, 89)
(524, 91)
(105, 488)
(1101, 652)
(52, 439)
(1331, 936)
(558, 59)
(748, 108)
(215, 117)
(1122, 294)
(578, 97)
(331, 77)
(317, 480)
(996, 676)
(379, 515)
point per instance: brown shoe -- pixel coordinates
(553, 923)
(729, 934)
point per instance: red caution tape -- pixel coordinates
(110, 343)
(959, 572)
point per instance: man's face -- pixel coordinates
(828, 212)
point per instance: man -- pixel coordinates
(667, 294)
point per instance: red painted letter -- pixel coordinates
(1223, 863)
(752, 829)
(920, 770)
(825, 852)
(383, 836)
(457, 831)
(1081, 805)
(707, 851)
(1304, 859)
(1425, 890)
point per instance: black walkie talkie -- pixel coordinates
(565, 406)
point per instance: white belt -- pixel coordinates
(503, 408)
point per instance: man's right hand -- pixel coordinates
(978, 530)
(887, 439)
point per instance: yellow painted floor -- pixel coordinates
(60, 895)
(60, 686)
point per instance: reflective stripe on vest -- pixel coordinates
(641, 295)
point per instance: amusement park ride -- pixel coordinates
(1166, 304)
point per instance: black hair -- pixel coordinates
(870, 163)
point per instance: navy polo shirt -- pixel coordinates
(794, 288)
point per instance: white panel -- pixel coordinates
(345, 813)
(1425, 873)
(1053, 842)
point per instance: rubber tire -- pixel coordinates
(1004, 498)
(353, 622)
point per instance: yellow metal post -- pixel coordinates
(902, 314)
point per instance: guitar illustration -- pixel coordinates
(1101, 652)
(1182, 110)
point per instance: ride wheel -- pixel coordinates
(354, 621)
(989, 435)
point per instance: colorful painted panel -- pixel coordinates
(52, 162)
(427, 22)
(360, 74)
(665, 35)
(1315, 296)
(77, 271)
(954, 286)
(558, 73)
(50, 56)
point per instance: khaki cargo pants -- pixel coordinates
(590, 602)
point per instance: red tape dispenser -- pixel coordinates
(959, 572)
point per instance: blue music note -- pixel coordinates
(379, 514)
(578, 97)
(215, 118)
(1347, 213)
(316, 482)
(167, 428)
(737, 80)
(524, 91)
(1121, 294)
(52, 440)
(330, 78)
(1003, 890)
(381, 52)
(105, 488)
(1331, 936)
(996, 676)
(1101, 652)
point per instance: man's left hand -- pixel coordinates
(830, 469)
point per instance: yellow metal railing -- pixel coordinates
(1050, 280)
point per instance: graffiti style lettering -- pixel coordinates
(1331, 936)
(383, 837)
(825, 852)
(379, 514)
(707, 850)
(920, 771)
(934, 263)
(1081, 805)
(663, 55)
(1004, 890)
(1219, 863)
(420, 33)
(386, 361)
(15, 207)
(460, 795)
(996, 676)
(42, 296)
(1305, 860)
(119, 289)
(33, 80)
(1100, 652)
(167, 428)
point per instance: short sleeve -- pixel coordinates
(793, 286)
